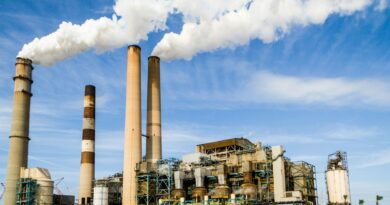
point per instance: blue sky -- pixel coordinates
(320, 88)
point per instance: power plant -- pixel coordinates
(228, 171)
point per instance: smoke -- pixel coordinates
(207, 26)
(132, 22)
(267, 20)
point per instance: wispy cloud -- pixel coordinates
(265, 86)
(376, 159)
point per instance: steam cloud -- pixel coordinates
(207, 26)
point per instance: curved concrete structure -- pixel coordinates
(87, 166)
(132, 145)
(19, 137)
(153, 126)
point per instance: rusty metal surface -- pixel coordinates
(90, 90)
(243, 142)
(89, 112)
(88, 157)
(88, 134)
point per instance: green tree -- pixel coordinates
(378, 198)
(361, 202)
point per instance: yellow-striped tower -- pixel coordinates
(19, 137)
(87, 167)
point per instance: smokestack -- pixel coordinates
(153, 132)
(87, 167)
(132, 147)
(19, 137)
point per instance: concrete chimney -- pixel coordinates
(132, 146)
(87, 167)
(19, 137)
(153, 126)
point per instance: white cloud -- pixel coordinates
(270, 87)
(382, 5)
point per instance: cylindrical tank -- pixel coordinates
(198, 194)
(45, 192)
(338, 186)
(178, 193)
(222, 192)
(100, 195)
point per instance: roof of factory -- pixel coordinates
(242, 142)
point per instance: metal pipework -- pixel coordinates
(132, 145)
(19, 137)
(87, 166)
(153, 132)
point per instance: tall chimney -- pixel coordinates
(87, 167)
(19, 137)
(153, 132)
(132, 147)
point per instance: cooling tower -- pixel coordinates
(153, 126)
(19, 137)
(132, 145)
(87, 166)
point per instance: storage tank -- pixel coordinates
(337, 179)
(44, 192)
(100, 195)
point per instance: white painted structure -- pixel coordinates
(338, 186)
(337, 180)
(100, 195)
(279, 175)
(44, 192)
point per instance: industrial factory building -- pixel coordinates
(229, 171)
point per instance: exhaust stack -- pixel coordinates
(153, 132)
(19, 137)
(132, 145)
(87, 167)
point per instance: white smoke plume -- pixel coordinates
(207, 26)
(132, 22)
(267, 20)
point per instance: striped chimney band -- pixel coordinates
(88, 146)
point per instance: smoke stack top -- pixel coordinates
(207, 26)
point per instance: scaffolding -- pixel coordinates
(157, 184)
(26, 191)
(303, 177)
